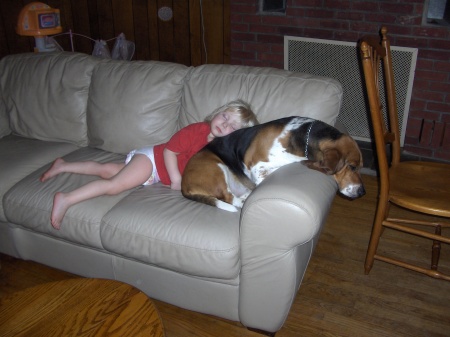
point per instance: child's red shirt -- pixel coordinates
(186, 142)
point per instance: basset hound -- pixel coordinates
(226, 170)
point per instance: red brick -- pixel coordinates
(245, 55)
(236, 61)
(304, 22)
(430, 32)
(439, 44)
(430, 95)
(442, 155)
(241, 27)
(334, 25)
(413, 128)
(438, 135)
(263, 29)
(276, 20)
(446, 138)
(236, 18)
(417, 105)
(277, 49)
(242, 8)
(420, 84)
(254, 63)
(257, 47)
(419, 7)
(295, 12)
(395, 30)
(339, 5)
(346, 36)
(354, 16)
(366, 6)
(419, 151)
(425, 64)
(319, 13)
(271, 57)
(380, 18)
(431, 75)
(427, 132)
(318, 33)
(409, 19)
(422, 114)
(242, 36)
(365, 28)
(306, 3)
(440, 107)
(396, 8)
(411, 141)
(440, 86)
(442, 66)
(291, 31)
(265, 38)
(413, 42)
(438, 55)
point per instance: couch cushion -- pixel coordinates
(157, 225)
(20, 157)
(134, 104)
(285, 93)
(4, 119)
(45, 94)
(29, 202)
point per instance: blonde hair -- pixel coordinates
(243, 109)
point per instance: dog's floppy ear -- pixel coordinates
(329, 162)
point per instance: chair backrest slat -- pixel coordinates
(377, 61)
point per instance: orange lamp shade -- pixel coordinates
(38, 19)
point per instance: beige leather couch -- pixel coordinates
(244, 266)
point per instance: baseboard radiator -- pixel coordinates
(340, 60)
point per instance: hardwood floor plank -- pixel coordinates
(335, 299)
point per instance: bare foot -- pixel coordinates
(54, 170)
(60, 207)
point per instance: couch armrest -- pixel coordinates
(280, 224)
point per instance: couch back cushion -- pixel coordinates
(45, 94)
(134, 104)
(4, 119)
(272, 93)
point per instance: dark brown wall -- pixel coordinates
(178, 40)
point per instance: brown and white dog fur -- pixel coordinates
(226, 170)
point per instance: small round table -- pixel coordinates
(80, 307)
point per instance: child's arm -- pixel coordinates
(171, 162)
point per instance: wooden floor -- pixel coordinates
(335, 299)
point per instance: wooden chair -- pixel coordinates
(421, 187)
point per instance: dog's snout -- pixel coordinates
(354, 191)
(361, 191)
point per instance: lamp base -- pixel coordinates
(43, 46)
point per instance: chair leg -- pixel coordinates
(377, 230)
(436, 250)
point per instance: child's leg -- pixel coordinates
(106, 170)
(135, 173)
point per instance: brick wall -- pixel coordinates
(257, 40)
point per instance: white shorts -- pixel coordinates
(148, 151)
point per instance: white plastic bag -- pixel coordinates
(123, 49)
(101, 49)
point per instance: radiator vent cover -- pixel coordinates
(341, 61)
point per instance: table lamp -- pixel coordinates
(39, 20)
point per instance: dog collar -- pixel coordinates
(307, 139)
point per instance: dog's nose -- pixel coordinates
(361, 191)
